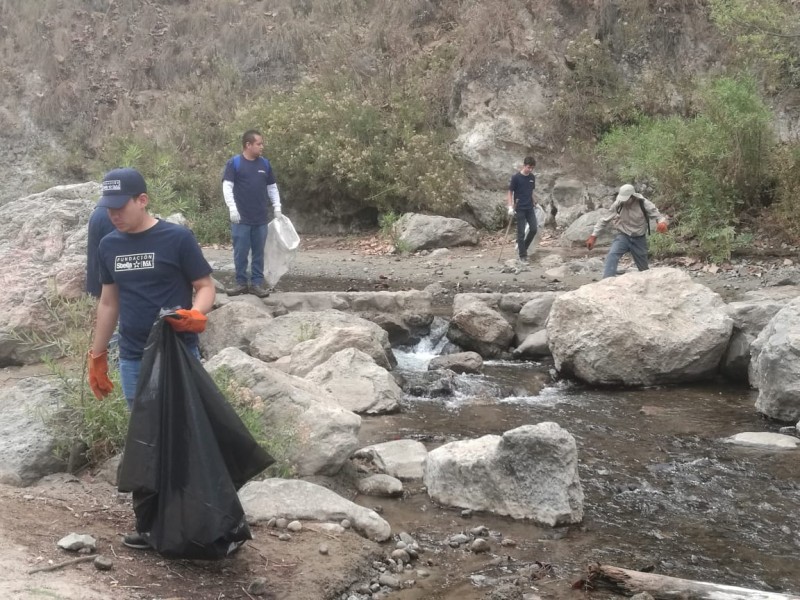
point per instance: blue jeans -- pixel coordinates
(129, 374)
(249, 240)
(637, 246)
(525, 216)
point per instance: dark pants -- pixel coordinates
(525, 216)
(637, 246)
(249, 241)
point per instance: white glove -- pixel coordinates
(235, 218)
(511, 211)
(277, 213)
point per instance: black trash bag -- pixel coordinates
(186, 454)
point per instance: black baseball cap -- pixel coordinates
(119, 186)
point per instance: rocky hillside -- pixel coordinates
(88, 83)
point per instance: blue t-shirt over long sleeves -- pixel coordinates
(250, 183)
(153, 269)
(522, 187)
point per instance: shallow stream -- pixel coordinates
(661, 488)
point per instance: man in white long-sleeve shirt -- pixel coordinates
(630, 213)
(248, 187)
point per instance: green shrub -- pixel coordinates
(708, 170)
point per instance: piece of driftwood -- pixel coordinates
(663, 587)
(66, 563)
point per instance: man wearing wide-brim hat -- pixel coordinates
(631, 214)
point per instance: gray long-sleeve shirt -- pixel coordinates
(628, 217)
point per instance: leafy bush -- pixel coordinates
(709, 169)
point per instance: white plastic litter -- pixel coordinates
(281, 248)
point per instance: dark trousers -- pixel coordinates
(525, 216)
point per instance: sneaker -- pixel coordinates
(237, 290)
(136, 541)
(260, 290)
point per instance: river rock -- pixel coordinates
(309, 354)
(234, 325)
(476, 327)
(380, 485)
(419, 232)
(581, 228)
(750, 317)
(357, 383)
(460, 362)
(644, 328)
(775, 356)
(530, 472)
(319, 434)
(294, 499)
(26, 443)
(404, 459)
(534, 346)
(279, 336)
(532, 316)
(78, 541)
(765, 440)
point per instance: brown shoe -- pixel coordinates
(237, 290)
(260, 290)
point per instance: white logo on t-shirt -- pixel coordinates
(134, 262)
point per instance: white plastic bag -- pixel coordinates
(281, 248)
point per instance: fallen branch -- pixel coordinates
(61, 565)
(663, 587)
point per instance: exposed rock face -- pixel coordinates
(319, 434)
(43, 258)
(476, 327)
(643, 328)
(26, 445)
(776, 365)
(750, 317)
(421, 232)
(531, 472)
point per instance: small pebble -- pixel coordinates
(345, 523)
(479, 545)
(257, 587)
(323, 549)
(295, 526)
(284, 537)
(103, 563)
(508, 542)
(281, 523)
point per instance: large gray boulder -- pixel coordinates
(293, 499)
(404, 459)
(43, 261)
(279, 336)
(533, 315)
(234, 325)
(357, 383)
(530, 472)
(581, 228)
(644, 328)
(749, 319)
(26, 443)
(421, 232)
(307, 355)
(318, 434)
(776, 365)
(477, 327)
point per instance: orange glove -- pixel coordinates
(98, 375)
(590, 241)
(192, 321)
(662, 227)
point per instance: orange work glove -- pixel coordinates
(98, 375)
(590, 241)
(662, 227)
(192, 321)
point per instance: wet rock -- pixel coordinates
(429, 384)
(765, 440)
(380, 485)
(462, 362)
(401, 556)
(477, 327)
(407, 539)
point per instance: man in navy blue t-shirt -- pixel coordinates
(248, 186)
(145, 265)
(520, 202)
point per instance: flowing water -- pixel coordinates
(661, 488)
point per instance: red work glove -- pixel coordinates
(590, 241)
(662, 227)
(192, 321)
(98, 375)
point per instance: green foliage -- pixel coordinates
(337, 145)
(765, 35)
(785, 171)
(709, 169)
(100, 425)
(279, 439)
